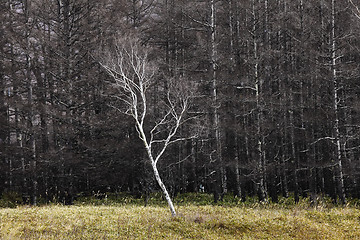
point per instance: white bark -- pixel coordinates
(260, 142)
(336, 102)
(132, 72)
(215, 98)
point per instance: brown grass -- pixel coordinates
(193, 222)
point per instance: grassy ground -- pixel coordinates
(193, 222)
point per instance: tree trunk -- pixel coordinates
(260, 144)
(339, 178)
(194, 177)
(163, 188)
(30, 115)
(237, 168)
(294, 158)
(220, 170)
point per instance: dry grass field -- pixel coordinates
(193, 222)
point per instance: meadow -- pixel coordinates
(195, 220)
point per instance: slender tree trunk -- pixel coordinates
(163, 188)
(30, 115)
(33, 161)
(194, 177)
(284, 135)
(143, 137)
(232, 72)
(237, 167)
(260, 144)
(231, 37)
(312, 173)
(216, 122)
(295, 162)
(339, 178)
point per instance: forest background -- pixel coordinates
(274, 108)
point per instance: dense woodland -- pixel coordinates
(274, 107)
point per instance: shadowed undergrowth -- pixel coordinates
(193, 222)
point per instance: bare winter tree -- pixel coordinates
(132, 73)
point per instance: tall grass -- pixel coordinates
(194, 222)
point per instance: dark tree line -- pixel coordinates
(275, 108)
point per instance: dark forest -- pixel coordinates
(273, 89)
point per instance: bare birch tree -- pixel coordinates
(133, 74)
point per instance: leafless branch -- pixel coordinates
(321, 139)
(356, 11)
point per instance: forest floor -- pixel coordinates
(193, 222)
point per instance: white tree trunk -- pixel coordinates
(260, 143)
(336, 101)
(218, 146)
(163, 188)
(155, 169)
